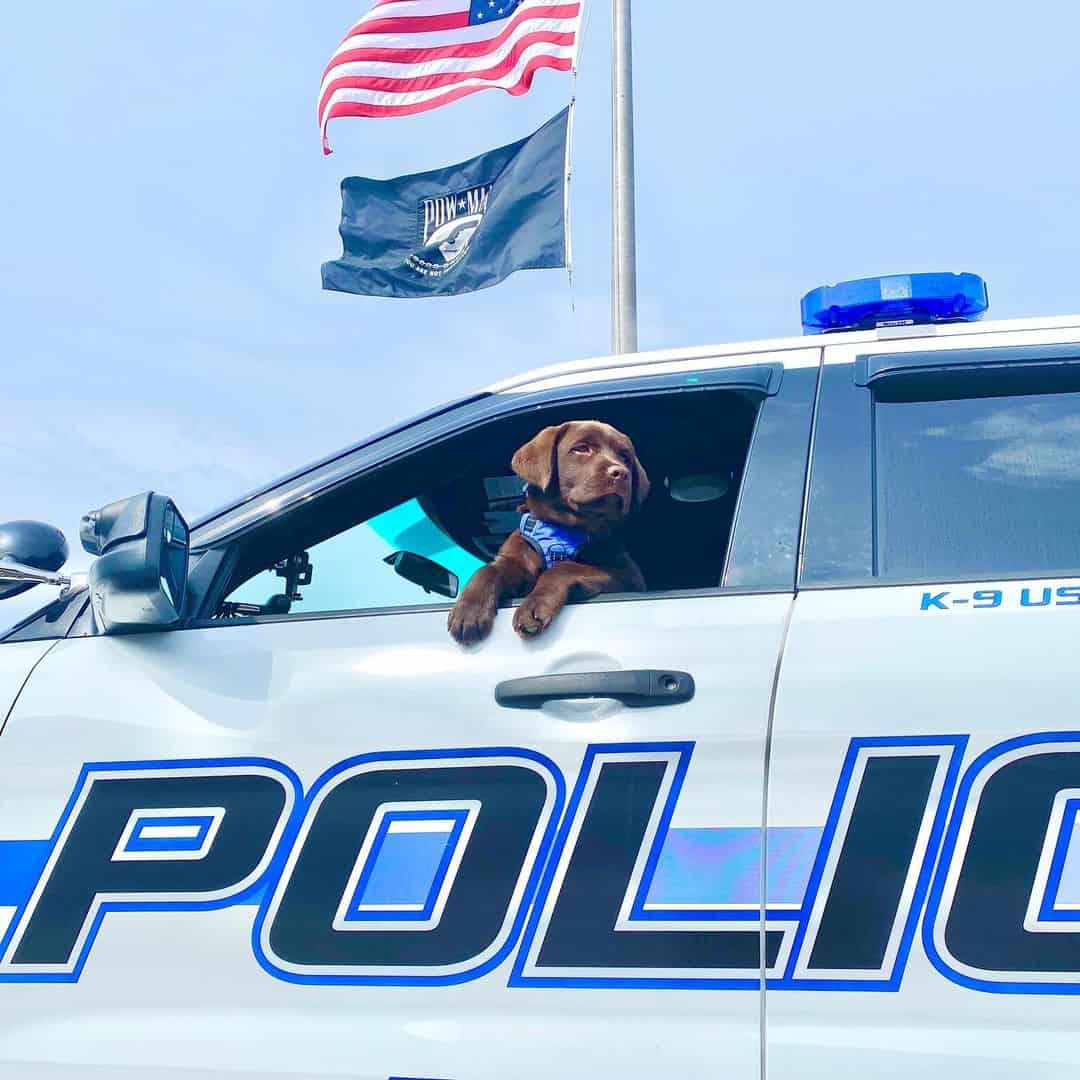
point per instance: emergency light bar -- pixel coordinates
(902, 300)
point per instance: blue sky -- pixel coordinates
(166, 207)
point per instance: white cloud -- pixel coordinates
(1029, 442)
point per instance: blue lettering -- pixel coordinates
(1026, 601)
(934, 600)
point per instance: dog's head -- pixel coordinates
(583, 472)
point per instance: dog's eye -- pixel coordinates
(581, 448)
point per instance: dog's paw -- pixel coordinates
(470, 620)
(534, 615)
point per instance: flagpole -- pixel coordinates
(623, 245)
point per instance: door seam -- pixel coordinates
(22, 687)
(800, 553)
(763, 872)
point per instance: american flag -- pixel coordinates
(407, 56)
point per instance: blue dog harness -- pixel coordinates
(553, 543)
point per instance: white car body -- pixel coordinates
(806, 698)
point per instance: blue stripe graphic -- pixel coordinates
(406, 867)
(21, 863)
(696, 866)
(722, 866)
(1068, 891)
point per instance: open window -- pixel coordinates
(453, 501)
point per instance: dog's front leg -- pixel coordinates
(512, 573)
(566, 581)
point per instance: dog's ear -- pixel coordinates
(640, 483)
(537, 461)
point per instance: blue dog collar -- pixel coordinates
(553, 543)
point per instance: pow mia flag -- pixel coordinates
(458, 229)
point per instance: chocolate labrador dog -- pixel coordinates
(582, 480)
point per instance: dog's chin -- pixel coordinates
(610, 507)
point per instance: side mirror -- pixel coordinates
(139, 580)
(430, 576)
(31, 553)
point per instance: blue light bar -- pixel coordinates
(903, 300)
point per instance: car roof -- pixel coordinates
(735, 353)
(791, 352)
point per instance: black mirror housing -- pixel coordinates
(422, 571)
(33, 545)
(139, 581)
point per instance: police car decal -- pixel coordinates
(1026, 596)
(437, 867)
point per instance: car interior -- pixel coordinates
(464, 500)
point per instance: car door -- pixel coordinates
(925, 727)
(419, 881)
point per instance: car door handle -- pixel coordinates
(639, 689)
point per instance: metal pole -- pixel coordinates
(623, 243)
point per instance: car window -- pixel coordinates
(962, 471)
(981, 486)
(349, 570)
(455, 502)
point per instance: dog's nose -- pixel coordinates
(617, 472)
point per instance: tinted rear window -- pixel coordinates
(977, 487)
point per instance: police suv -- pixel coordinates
(806, 808)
